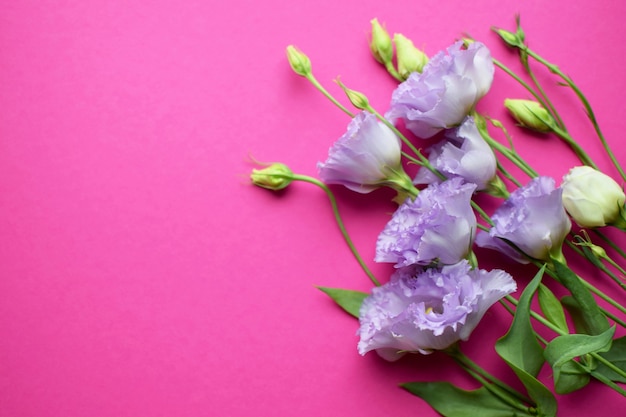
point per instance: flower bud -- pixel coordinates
(300, 63)
(380, 43)
(512, 39)
(410, 59)
(274, 177)
(592, 198)
(358, 100)
(530, 114)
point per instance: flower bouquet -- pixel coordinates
(438, 293)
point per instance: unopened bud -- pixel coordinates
(410, 59)
(592, 198)
(358, 100)
(380, 43)
(274, 177)
(530, 114)
(300, 63)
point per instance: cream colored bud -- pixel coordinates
(530, 114)
(410, 59)
(380, 43)
(592, 198)
(274, 177)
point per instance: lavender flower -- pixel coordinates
(445, 92)
(425, 310)
(464, 154)
(366, 157)
(533, 219)
(438, 226)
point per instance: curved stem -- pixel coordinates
(555, 70)
(342, 228)
(511, 395)
(578, 150)
(322, 90)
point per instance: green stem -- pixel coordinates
(578, 150)
(508, 176)
(342, 228)
(510, 154)
(555, 70)
(392, 71)
(322, 90)
(546, 101)
(504, 391)
(601, 266)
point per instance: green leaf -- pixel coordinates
(573, 377)
(563, 349)
(617, 356)
(522, 352)
(451, 401)
(575, 312)
(594, 320)
(349, 300)
(552, 308)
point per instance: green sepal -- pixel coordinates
(594, 320)
(521, 350)
(552, 308)
(349, 300)
(564, 349)
(451, 401)
(617, 356)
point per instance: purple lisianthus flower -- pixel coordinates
(533, 219)
(445, 92)
(463, 154)
(366, 157)
(424, 310)
(438, 226)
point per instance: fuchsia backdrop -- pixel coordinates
(140, 274)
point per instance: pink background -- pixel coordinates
(140, 273)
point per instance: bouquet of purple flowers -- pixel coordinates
(437, 294)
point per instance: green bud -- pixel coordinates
(512, 39)
(358, 100)
(274, 177)
(530, 114)
(380, 43)
(410, 59)
(509, 38)
(300, 63)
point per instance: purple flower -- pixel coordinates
(366, 157)
(425, 310)
(445, 92)
(533, 219)
(464, 154)
(438, 226)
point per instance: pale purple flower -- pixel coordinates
(445, 92)
(365, 157)
(424, 310)
(463, 154)
(437, 227)
(533, 219)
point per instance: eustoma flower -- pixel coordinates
(366, 157)
(425, 310)
(438, 226)
(533, 219)
(445, 92)
(592, 198)
(463, 154)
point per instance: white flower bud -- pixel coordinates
(592, 198)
